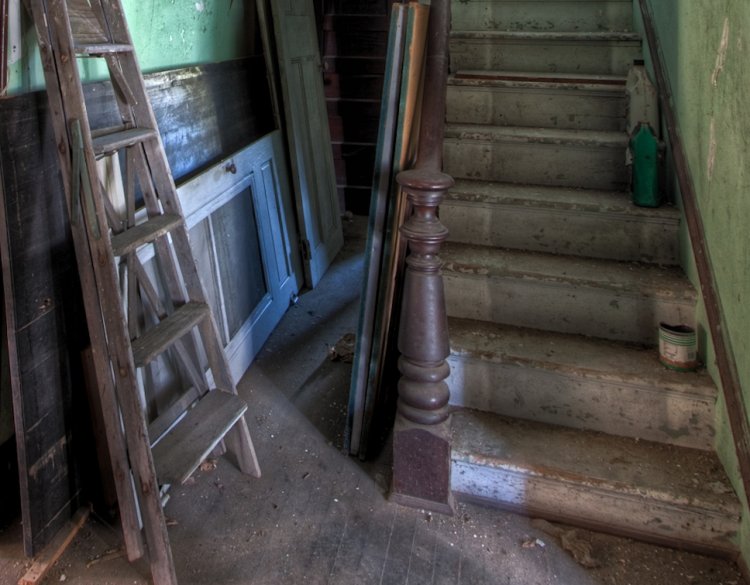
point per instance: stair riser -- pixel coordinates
(562, 165)
(569, 15)
(573, 232)
(574, 399)
(594, 57)
(592, 506)
(542, 108)
(560, 306)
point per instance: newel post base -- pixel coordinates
(421, 436)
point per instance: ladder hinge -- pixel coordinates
(304, 246)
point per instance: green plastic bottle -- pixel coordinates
(645, 150)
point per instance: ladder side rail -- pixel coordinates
(116, 442)
(166, 266)
(141, 459)
(143, 116)
(166, 191)
(238, 438)
(137, 168)
(185, 348)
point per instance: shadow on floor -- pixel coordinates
(318, 516)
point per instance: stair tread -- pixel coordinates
(569, 36)
(193, 438)
(157, 339)
(567, 353)
(560, 136)
(113, 141)
(675, 475)
(531, 79)
(560, 198)
(143, 233)
(634, 278)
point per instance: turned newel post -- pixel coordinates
(421, 449)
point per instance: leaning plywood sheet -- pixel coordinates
(386, 249)
(43, 313)
(383, 179)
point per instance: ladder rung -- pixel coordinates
(156, 340)
(96, 50)
(146, 232)
(183, 449)
(114, 141)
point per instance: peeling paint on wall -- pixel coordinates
(704, 44)
(15, 46)
(711, 149)
(166, 35)
(721, 54)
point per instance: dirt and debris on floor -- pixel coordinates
(318, 516)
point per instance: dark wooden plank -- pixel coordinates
(42, 303)
(366, 65)
(205, 113)
(359, 164)
(353, 131)
(368, 87)
(355, 43)
(355, 109)
(360, 22)
(357, 199)
(360, 6)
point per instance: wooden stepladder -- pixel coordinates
(136, 313)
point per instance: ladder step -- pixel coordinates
(183, 449)
(156, 340)
(146, 232)
(99, 49)
(109, 143)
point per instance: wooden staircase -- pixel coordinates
(556, 284)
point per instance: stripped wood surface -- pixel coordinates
(61, 26)
(49, 556)
(182, 99)
(183, 450)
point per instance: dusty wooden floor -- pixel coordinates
(319, 516)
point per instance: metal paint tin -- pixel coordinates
(678, 347)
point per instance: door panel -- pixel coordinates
(240, 217)
(307, 133)
(255, 268)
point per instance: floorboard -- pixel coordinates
(320, 517)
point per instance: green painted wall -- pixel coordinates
(705, 45)
(167, 34)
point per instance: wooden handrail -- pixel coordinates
(725, 360)
(421, 438)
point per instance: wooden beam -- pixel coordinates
(54, 550)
